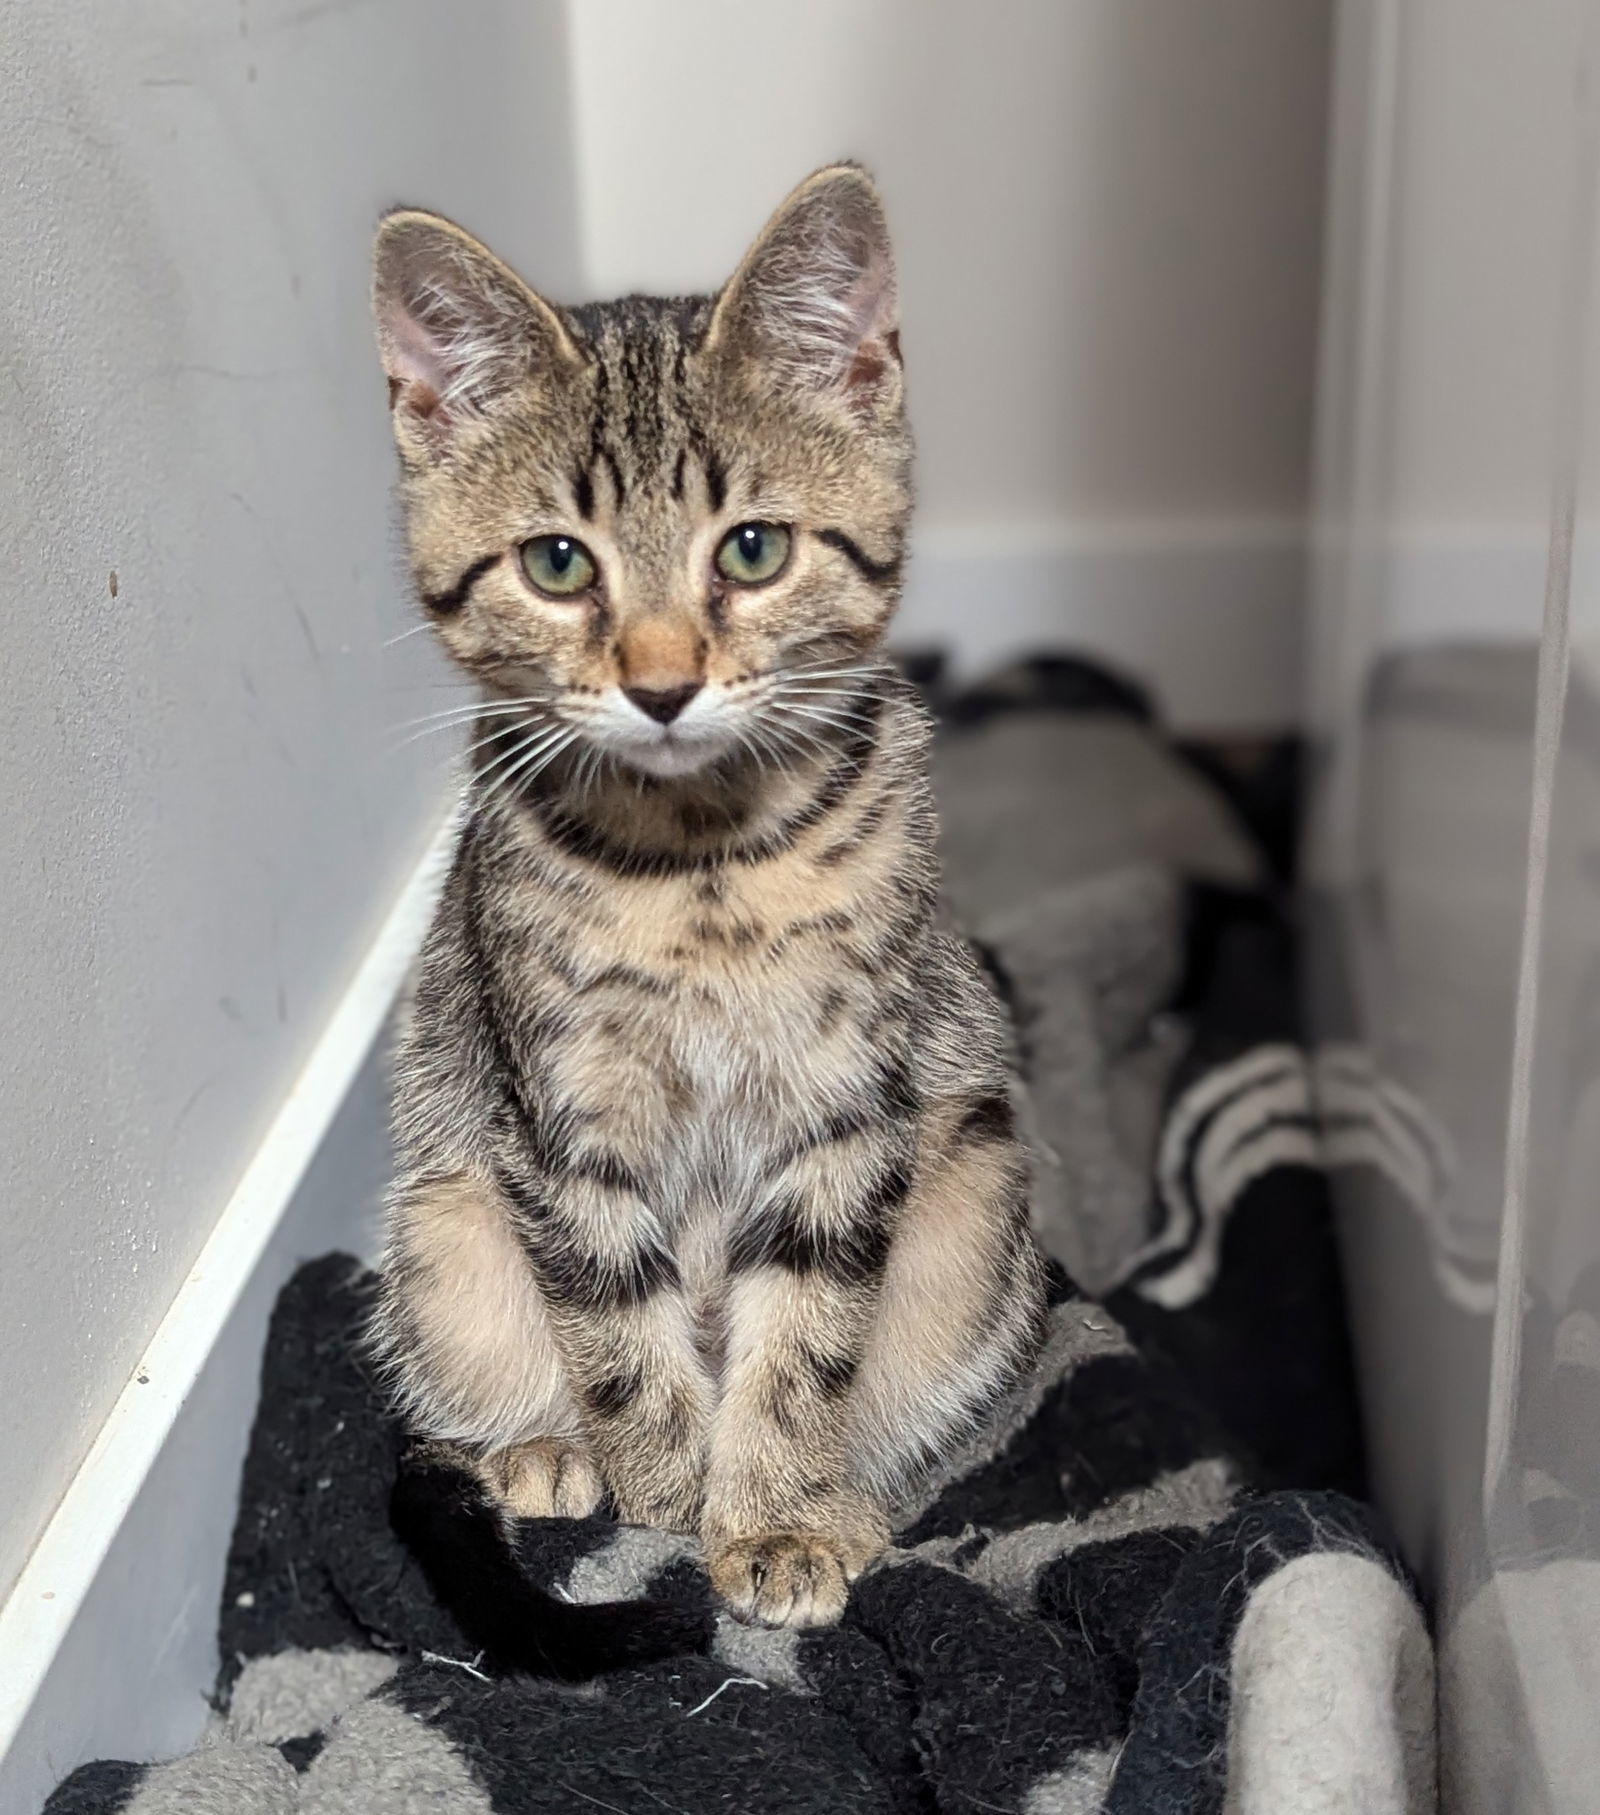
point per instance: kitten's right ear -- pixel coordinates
(457, 329)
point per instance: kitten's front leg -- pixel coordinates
(648, 1405)
(785, 1533)
(626, 1334)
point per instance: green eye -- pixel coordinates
(753, 552)
(559, 566)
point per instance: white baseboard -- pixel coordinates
(108, 1641)
(1210, 614)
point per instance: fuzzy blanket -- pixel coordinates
(1141, 1590)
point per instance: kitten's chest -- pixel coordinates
(759, 1023)
(747, 963)
(730, 1013)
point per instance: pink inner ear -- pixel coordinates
(852, 330)
(873, 342)
(420, 399)
(867, 367)
(415, 361)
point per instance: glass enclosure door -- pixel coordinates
(1454, 857)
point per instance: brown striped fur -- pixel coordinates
(709, 1194)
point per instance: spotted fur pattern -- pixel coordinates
(710, 1199)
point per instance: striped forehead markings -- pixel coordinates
(583, 493)
(600, 450)
(716, 476)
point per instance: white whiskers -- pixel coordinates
(812, 707)
(454, 717)
(783, 720)
(416, 630)
(518, 767)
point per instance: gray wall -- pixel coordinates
(1106, 211)
(1107, 214)
(203, 819)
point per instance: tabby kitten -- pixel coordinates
(709, 1197)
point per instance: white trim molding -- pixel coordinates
(108, 1640)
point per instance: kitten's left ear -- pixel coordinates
(814, 301)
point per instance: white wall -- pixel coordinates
(1484, 167)
(1455, 196)
(202, 824)
(1107, 214)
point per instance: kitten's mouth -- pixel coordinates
(686, 738)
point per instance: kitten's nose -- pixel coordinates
(663, 704)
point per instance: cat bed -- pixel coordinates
(1147, 1588)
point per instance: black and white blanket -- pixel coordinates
(1146, 1589)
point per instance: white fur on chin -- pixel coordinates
(669, 756)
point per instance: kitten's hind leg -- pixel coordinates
(464, 1336)
(545, 1478)
(961, 1307)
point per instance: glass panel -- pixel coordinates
(1458, 225)
(1544, 1425)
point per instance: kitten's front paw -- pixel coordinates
(545, 1479)
(787, 1578)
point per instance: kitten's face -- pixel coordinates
(672, 529)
